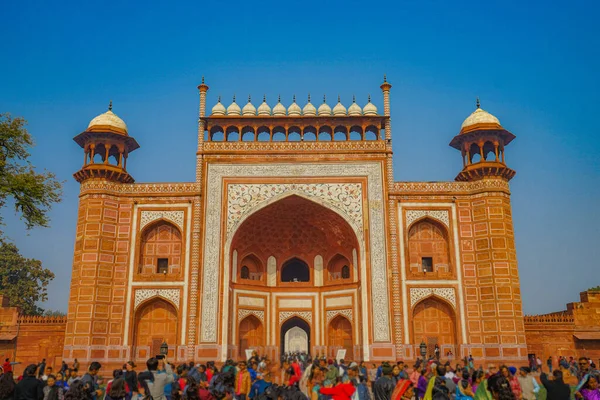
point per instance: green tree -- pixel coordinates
(33, 193)
(23, 280)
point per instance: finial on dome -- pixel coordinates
(353, 98)
(249, 99)
(234, 98)
(110, 105)
(309, 97)
(478, 103)
(369, 98)
(219, 99)
(264, 98)
(384, 78)
(324, 99)
(203, 79)
(339, 99)
(294, 98)
(279, 98)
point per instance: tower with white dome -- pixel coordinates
(106, 146)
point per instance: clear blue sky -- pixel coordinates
(534, 65)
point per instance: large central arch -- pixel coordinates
(293, 325)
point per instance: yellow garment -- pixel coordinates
(429, 391)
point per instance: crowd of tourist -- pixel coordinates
(300, 377)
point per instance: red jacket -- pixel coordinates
(7, 367)
(343, 391)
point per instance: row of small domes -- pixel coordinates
(294, 109)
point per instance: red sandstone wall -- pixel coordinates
(40, 337)
(490, 277)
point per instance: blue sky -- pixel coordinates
(533, 64)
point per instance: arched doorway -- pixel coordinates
(294, 335)
(251, 334)
(155, 322)
(340, 335)
(295, 270)
(434, 322)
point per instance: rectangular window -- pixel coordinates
(162, 266)
(427, 264)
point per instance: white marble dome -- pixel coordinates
(279, 109)
(264, 108)
(369, 108)
(294, 109)
(249, 108)
(354, 108)
(339, 108)
(309, 109)
(324, 108)
(219, 108)
(108, 120)
(479, 116)
(234, 109)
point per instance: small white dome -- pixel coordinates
(279, 109)
(324, 108)
(309, 109)
(233, 108)
(219, 108)
(369, 108)
(294, 109)
(264, 108)
(108, 120)
(249, 108)
(339, 108)
(479, 116)
(354, 109)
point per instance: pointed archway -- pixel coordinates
(434, 321)
(340, 335)
(155, 322)
(250, 334)
(295, 335)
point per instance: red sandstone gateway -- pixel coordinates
(294, 237)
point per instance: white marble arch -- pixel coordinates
(296, 340)
(212, 245)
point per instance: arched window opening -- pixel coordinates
(340, 133)
(475, 153)
(245, 272)
(264, 134)
(345, 272)
(248, 136)
(278, 134)
(325, 134)
(293, 134)
(99, 154)
(295, 270)
(356, 133)
(310, 134)
(233, 135)
(217, 134)
(489, 151)
(371, 133)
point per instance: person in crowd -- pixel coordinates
(252, 370)
(51, 391)
(590, 390)
(404, 390)
(7, 366)
(556, 388)
(396, 374)
(499, 388)
(476, 380)
(72, 376)
(64, 367)
(243, 382)
(41, 368)
(29, 388)
(549, 363)
(464, 390)
(340, 391)
(7, 386)
(130, 377)
(363, 370)
(61, 383)
(47, 373)
(143, 389)
(118, 390)
(162, 376)
(76, 364)
(384, 386)
(421, 387)
(529, 386)
(77, 391)
(359, 382)
(90, 380)
(258, 387)
(509, 374)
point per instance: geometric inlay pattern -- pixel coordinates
(142, 295)
(418, 294)
(307, 315)
(212, 245)
(257, 313)
(440, 215)
(331, 314)
(175, 217)
(243, 197)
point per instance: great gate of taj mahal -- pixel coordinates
(294, 236)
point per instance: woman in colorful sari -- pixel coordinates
(464, 391)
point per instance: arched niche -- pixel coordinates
(251, 269)
(250, 334)
(160, 249)
(156, 321)
(338, 267)
(339, 335)
(295, 270)
(429, 249)
(434, 322)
